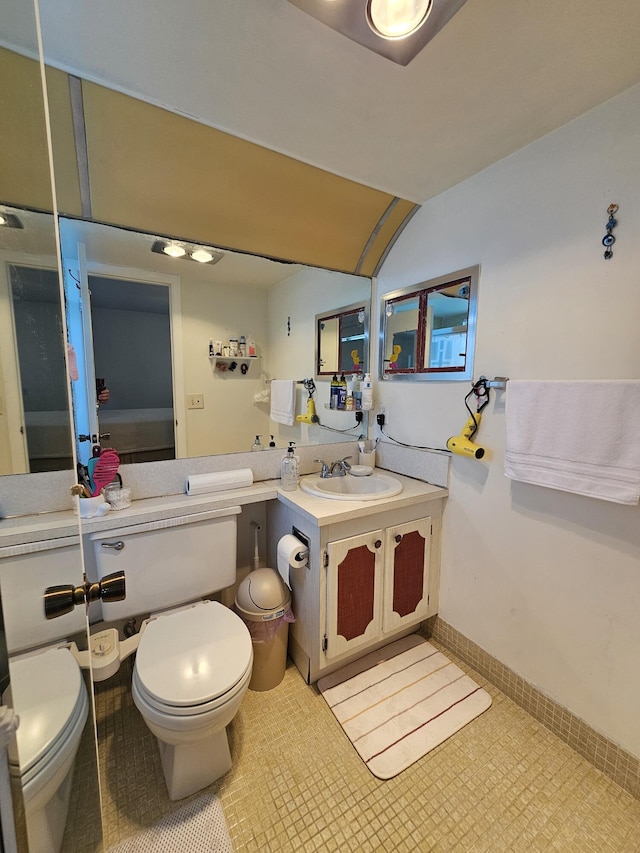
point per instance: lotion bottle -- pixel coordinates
(367, 393)
(289, 470)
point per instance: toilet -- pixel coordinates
(194, 657)
(47, 690)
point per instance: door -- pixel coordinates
(354, 592)
(406, 574)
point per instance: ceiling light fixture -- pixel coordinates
(9, 220)
(397, 19)
(202, 256)
(174, 250)
(187, 251)
(395, 29)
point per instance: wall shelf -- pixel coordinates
(235, 364)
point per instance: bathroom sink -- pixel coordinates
(350, 488)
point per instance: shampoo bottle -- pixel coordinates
(334, 392)
(289, 470)
(342, 393)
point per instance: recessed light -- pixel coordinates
(202, 256)
(174, 250)
(397, 19)
(9, 220)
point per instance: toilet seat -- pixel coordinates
(49, 696)
(193, 661)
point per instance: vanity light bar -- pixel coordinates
(177, 249)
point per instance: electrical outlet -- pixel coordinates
(382, 409)
(195, 401)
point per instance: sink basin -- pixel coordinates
(350, 488)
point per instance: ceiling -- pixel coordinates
(131, 250)
(500, 74)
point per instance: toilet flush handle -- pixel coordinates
(117, 546)
(62, 598)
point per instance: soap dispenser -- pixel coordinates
(256, 444)
(289, 470)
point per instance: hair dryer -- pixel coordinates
(462, 444)
(311, 416)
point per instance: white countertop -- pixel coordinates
(326, 511)
(323, 511)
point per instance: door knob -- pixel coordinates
(62, 598)
(398, 537)
(377, 543)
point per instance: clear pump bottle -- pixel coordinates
(290, 470)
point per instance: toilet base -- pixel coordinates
(190, 767)
(45, 825)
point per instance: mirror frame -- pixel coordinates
(470, 274)
(365, 307)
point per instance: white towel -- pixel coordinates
(283, 401)
(576, 436)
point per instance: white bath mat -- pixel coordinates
(197, 827)
(400, 702)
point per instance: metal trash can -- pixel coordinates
(263, 602)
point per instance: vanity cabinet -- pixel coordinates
(373, 573)
(376, 583)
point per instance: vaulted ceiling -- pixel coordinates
(499, 75)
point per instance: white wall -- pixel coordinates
(230, 417)
(546, 581)
(296, 301)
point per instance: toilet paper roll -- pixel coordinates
(292, 554)
(202, 484)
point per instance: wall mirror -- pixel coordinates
(428, 330)
(36, 436)
(143, 321)
(342, 341)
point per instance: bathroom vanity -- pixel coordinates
(373, 572)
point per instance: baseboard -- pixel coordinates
(598, 750)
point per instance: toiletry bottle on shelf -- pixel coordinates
(357, 392)
(272, 442)
(349, 403)
(256, 444)
(242, 347)
(334, 392)
(367, 393)
(342, 396)
(289, 470)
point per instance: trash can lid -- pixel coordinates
(262, 590)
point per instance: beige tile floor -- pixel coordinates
(502, 784)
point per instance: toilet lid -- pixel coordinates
(47, 695)
(192, 656)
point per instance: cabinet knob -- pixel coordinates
(377, 543)
(398, 537)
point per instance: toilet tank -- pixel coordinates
(168, 562)
(26, 571)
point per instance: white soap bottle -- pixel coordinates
(289, 470)
(367, 393)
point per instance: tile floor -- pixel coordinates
(502, 784)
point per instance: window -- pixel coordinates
(428, 330)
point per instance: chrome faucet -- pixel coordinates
(340, 468)
(335, 469)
